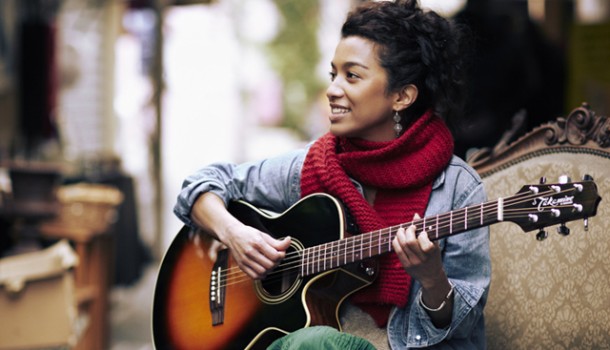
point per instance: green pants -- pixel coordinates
(320, 338)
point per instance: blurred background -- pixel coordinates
(107, 105)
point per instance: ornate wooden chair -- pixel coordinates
(551, 293)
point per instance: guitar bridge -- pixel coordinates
(218, 287)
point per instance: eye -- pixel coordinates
(332, 75)
(351, 75)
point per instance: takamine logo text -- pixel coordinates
(543, 202)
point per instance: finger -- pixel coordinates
(280, 245)
(410, 236)
(256, 256)
(275, 249)
(252, 272)
(398, 243)
(425, 243)
(398, 240)
(413, 243)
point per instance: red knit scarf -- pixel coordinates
(402, 172)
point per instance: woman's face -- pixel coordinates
(359, 104)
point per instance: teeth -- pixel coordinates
(339, 110)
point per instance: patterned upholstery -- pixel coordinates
(554, 293)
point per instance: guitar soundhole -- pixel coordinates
(282, 282)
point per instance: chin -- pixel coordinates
(340, 133)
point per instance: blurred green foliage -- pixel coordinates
(294, 54)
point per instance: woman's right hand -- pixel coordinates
(255, 252)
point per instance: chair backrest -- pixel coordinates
(554, 293)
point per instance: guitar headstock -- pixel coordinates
(541, 205)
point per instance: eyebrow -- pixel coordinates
(350, 64)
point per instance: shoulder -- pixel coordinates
(458, 172)
(460, 182)
(458, 167)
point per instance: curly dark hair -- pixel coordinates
(415, 47)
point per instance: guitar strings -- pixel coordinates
(332, 256)
(294, 260)
(285, 265)
(381, 233)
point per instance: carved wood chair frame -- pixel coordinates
(582, 131)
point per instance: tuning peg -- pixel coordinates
(563, 230)
(564, 179)
(586, 223)
(542, 180)
(541, 235)
(587, 177)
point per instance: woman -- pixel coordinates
(388, 158)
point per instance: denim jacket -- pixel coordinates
(274, 184)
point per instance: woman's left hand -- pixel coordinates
(420, 257)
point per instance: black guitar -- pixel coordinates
(205, 304)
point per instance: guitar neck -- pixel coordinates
(356, 248)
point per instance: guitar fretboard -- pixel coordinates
(359, 247)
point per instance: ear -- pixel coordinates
(405, 97)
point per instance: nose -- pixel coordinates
(334, 90)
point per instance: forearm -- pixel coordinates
(210, 214)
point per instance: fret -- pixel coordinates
(325, 257)
(450, 222)
(481, 222)
(468, 221)
(382, 239)
(322, 257)
(437, 225)
(354, 248)
(303, 260)
(317, 258)
(361, 248)
(314, 260)
(306, 258)
(338, 254)
(333, 254)
(345, 252)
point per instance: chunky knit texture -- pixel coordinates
(402, 172)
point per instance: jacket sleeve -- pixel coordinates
(273, 183)
(467, 264)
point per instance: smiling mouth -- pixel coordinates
(339, 110)
(338, 113)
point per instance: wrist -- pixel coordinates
(437, 307)
(435, 281)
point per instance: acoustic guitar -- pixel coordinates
(200, 303)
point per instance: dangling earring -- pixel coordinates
(397, 126)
